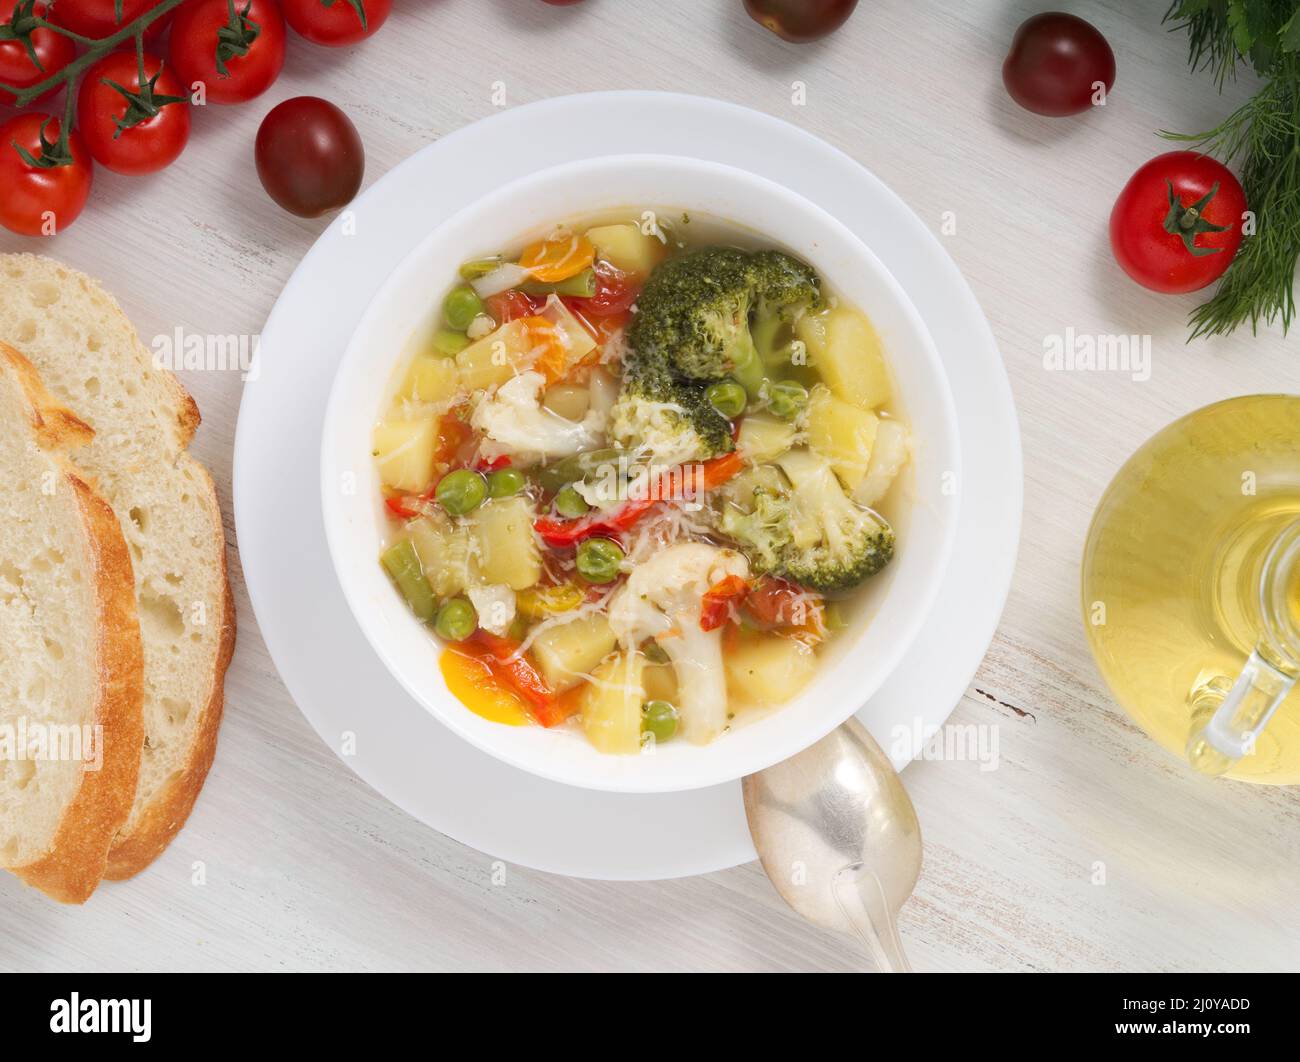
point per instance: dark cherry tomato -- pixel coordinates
(1055, 64)
(309, 156)
(335, 23)
(240, 64)
(159, 110)
(615, 293)
(53, 52)
(801, 20)
(1178, 222)
(41, 200)
(98, 18)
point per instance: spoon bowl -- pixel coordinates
(839, 838)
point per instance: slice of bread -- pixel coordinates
(71, 664)
(90, 357)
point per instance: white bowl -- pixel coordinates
(854, 664)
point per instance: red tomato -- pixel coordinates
(1054, 63)
(335, 23)
(53, 52)
(615, 294)
(41, 200)
(1177, 224)
(98, 18)
(151, 144)
(509, 305)
(801, 21)
(240, 65)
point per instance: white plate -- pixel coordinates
(325, 661)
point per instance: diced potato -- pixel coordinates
(846, 352)
(764, 438)
(611, 705)
(446, 554)
(431, 378)
(625, 247)
(567, 653)
(568, 401)
(765, 670)
(660, 681)
(507, 548)
(495, 358)
(405, 450)
(842, 433)
(577, 341)
(892, 450)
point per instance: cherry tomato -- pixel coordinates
(1055, 64)
(41, 200)
(335, 23)
(801, 21)
(615, 294)
(1177, 224)
(159, 109)
(53, 52)
(507, 306)
(561, 3)
(248, 58)
(309, 156)
(98, 18)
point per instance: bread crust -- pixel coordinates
(167, 814)
(78, 855)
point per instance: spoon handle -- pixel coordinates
(861, 898)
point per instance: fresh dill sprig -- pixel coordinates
(1263, 138)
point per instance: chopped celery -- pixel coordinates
(480, 267)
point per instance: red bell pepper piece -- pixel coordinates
(719, 599)
(400, 508)
(506, 660)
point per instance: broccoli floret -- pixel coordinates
(668, 420)
(801, 525)
(763, 532)
(835, 544)
(695, 314)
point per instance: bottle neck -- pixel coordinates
(1279, 597)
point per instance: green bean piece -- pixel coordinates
(481, 267)
(403, 566)
(727, 397)
(787, 399)
(580, 466)
(456, 620)
(570, 503)
(582, 286)
(505, 483)
(461, 492)
(449, 343)
(599, 560)
(461, 306)
(660, 719)
(654, 652)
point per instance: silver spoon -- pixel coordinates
(838, 836)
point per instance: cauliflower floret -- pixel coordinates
(662, 599)
(518, 425)
(495, 606)
(661, 430)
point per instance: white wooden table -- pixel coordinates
(1088, 848)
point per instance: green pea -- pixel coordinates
(570, 503)
(727, 397)
(660, 719)
(599, 560)
(456, 620)
(787, 399)
(449, 343)
(505, 483)
(461, 492)
(461, 306)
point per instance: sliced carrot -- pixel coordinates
(551, 261)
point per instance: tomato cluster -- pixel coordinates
(131, 111)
